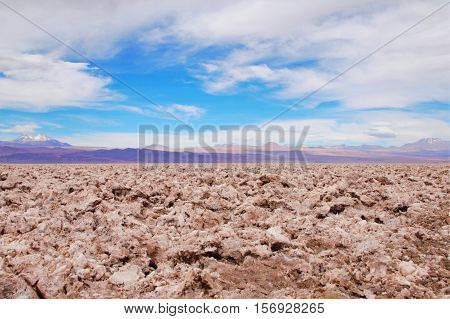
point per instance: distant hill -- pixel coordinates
(224, 148)
(53, 155)
(42, 149)
(427, 144)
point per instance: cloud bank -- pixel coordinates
(269, 42)
(282, 49)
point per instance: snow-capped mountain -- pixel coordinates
(428, 144)
(430, 140)
(31, 139)
(39, 140)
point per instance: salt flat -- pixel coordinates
(230, 231)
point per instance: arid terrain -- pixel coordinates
(187, 231)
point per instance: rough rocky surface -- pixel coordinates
(185, 231)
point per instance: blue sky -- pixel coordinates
(225, 63)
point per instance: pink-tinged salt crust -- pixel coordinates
(185, 231)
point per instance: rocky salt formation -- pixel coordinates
(185, 231)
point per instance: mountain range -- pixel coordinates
(425, 144)
(44, 149)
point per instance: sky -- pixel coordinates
(223, 63)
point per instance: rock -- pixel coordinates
(80, 262)
(268, 178)
(277, 235)
(228, 192)
(120, 191)
(367, 201)
(384, 180)
(208, 179)
(159, 209)
(400, 208)
(127, 275)
(403, 281)
(378, 269)
(366, 247)
(407, 268)
(337, 209)
(90, 203)
(14, 287)
(9, 184)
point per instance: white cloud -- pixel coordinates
(184, 112)
(39, 83)
(263, 41)
(381, 129)
(272, 37)
(21, 128)
(387, 127)
(187, 110)
(37, 74)
(96, 28)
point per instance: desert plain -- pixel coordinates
(224, 231)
